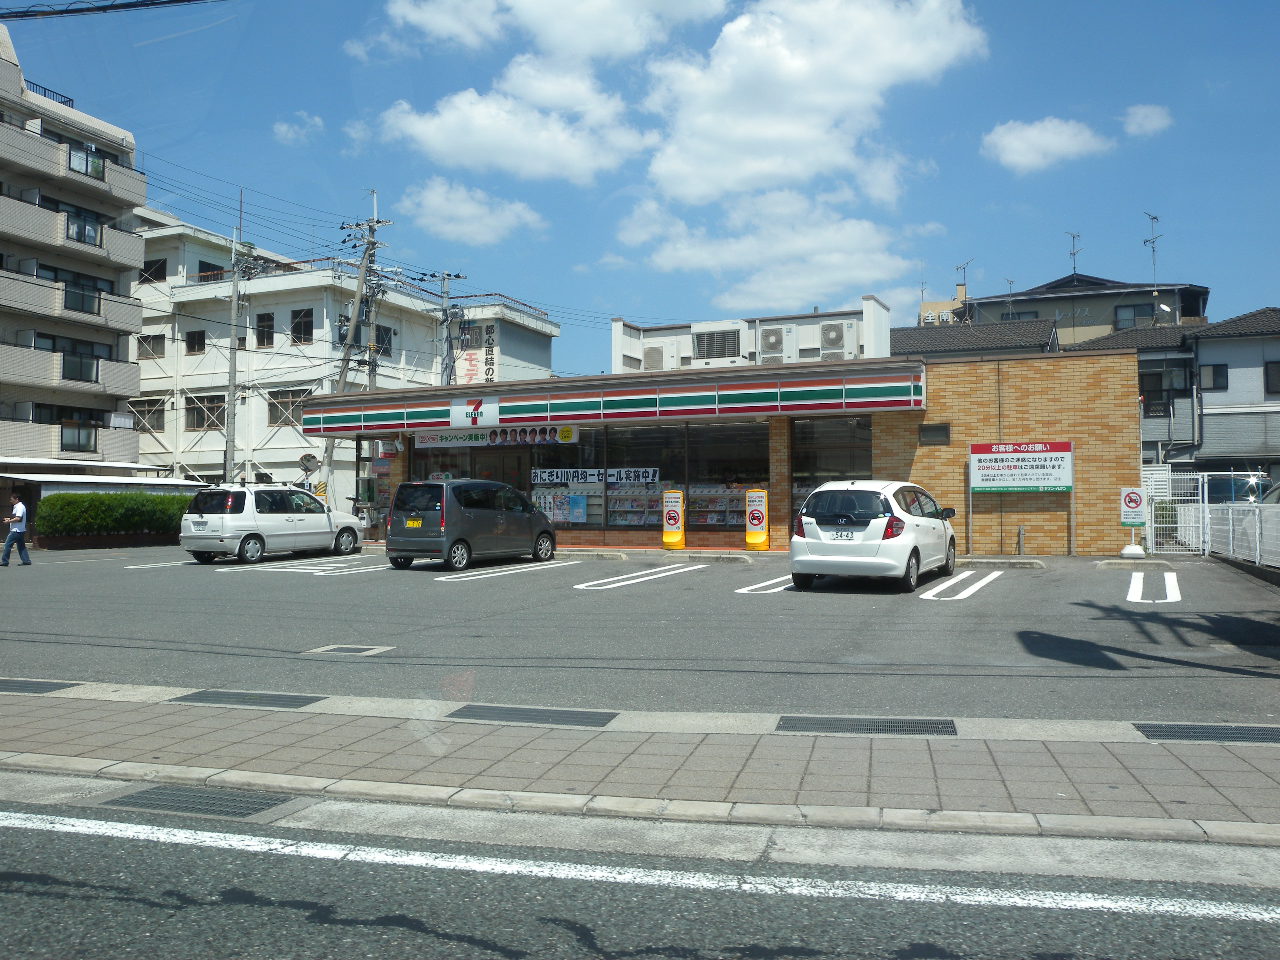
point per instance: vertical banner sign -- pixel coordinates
(673, 520)
(757, 519)
(1133, 507)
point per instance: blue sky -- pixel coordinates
(677, 160)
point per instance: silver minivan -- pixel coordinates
(251, 520)
(456, 521)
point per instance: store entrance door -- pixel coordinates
(508, 466)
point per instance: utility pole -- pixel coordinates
(229, 410)
(447, 372)
(366, 234)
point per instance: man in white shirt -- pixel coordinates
(17, 521)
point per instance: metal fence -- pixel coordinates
(1245, 531)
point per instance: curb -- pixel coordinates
(1239, 833)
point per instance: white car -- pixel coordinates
(871, 528)
(255, 519)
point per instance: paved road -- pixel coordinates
(1076, 640)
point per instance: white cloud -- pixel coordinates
(793, 89)
(471, 23)
(300, 132)
(538, 123)
(1146, 120)
(778, 250)
(1030, 147)
(455, 212)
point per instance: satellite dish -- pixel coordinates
(309, 462)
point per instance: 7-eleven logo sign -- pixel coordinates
(474, 412)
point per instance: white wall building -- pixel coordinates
(291, 330)
(758, 341)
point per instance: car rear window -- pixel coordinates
(857, 504)
(217, 502)
(418, 497)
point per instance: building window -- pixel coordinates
(195, 341)
(207, 412)
(154, 271)
(1213, 376)
(1273, 377)
(79, 438)
(207, 272)
(151, 346)
(935, 434)
(150, 414)
(1127, 316)
(82, 292)
(301, 326)
(284, 407)
(264, 329)
(1016, 315)
(383, 343)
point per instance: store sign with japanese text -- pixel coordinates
(478, 360)
(495, 437)
(561, 477)
(1043, 466)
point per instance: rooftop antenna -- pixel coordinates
(1009, 302)
(964, 271)
(1075, 249)
(1151, 242)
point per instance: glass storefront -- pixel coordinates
(828, 448)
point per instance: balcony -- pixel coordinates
(46, 370)
(88, 172)
(60, 232)
(19, 438)
(59, 301)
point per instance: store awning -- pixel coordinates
(100, 483)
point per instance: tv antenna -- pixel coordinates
(1151, 242)
(1075, 249)
(964, 271)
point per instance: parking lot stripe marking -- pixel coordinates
(628, 579)
(732, 882)
(944, 584)
(1172, 594)
(757, 588)
(504, 571)
(317, 566)
(149, 566)
(963, 594)
(1135, 588)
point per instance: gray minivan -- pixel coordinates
(456, 521)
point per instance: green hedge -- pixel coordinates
(79, 514)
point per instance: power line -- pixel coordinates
(40, 11)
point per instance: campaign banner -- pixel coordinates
(495, 437)
(1041, 466)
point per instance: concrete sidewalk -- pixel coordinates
(992, 776)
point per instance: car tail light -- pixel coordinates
(893, 528)
(799, 528)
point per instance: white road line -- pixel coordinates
(170, 563)
(503, 571)
(963, 594)
(627, 579)
(1172, 594)
(920, 893)
(785, 581)
(315, 565)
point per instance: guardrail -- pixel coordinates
(1245, 531)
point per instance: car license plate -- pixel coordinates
(413, 523)
(199, 524)
(842, 535)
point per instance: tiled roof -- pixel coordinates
(1080, 284)
(1258, 323)
(1142, 338)
(972, 337)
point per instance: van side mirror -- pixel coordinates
(948, 513)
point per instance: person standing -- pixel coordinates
(17, 521)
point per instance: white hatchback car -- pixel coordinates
(253, 520)
(871, 528)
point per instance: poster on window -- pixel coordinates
(1042, 466)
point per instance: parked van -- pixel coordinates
(255, 519)
(456, 521)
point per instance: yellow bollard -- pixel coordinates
(757, 519)
(673, 520)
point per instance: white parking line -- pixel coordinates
(759, 587)
(963, 594)
(150, 566)
(316, 566)
(504, 571)
(628, 579)
(1172, 594)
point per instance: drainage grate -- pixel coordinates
(200, 800)
(236, 698)
(33, 686)
(560, 718)
(1232, 733)
(910, 728)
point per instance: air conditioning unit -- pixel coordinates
(771, 359)
(652, 358)
(832, 335)
(832, 355)
(771, 340)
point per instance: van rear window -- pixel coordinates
(855, 504)
(417, 497)
(217, 502)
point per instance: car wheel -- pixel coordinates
(802, 581)
(459, 556)
(401, 563)
(544, 548)
(203, 556)
(345, 542)
(251, 550)
(911, 576)
(949, 565)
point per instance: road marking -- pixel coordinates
(964, 594)
(759, 587)
(627, 579)
(504, 571)
(1172, 594)
(919, 893)
(170, 563)
(318, 566)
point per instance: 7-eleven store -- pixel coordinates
(597, 452)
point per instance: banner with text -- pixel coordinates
(1034, 467)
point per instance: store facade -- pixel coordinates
(597, 453)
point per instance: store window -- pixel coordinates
(835, 448)
(725, 460)
(643, 462)
(568, 480)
